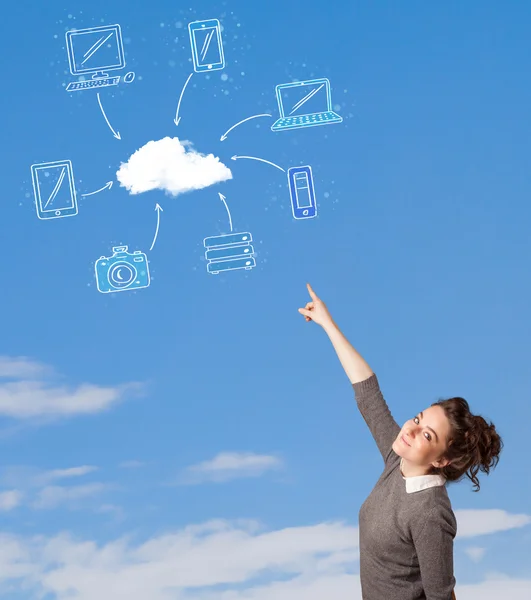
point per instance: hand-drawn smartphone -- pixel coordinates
(54, 189)
(207, 47)
(302, 192)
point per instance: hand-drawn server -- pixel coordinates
(229, 252)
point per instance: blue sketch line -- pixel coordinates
(206, 45)
(57, 186)
(96, 47)
(306, 98)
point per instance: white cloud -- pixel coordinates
(471, 523)
(316, 559)
(475, 553)
(170, 165)
(230, 465)
(295, 563)
(495, 587)
(53, 496)
(31, 396)
(21, 366)
(39, 493)
(55, 474)
(10, 499)
(31, 477)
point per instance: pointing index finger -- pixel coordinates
(311, 292)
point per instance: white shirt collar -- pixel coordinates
(421, 482)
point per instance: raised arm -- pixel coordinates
(369, 397)
(355, 366)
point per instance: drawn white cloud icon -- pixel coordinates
(170, 165)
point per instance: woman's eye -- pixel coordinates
(415, 419)
(428, 437)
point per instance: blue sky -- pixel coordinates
(196, 437)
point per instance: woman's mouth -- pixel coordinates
(404, 441)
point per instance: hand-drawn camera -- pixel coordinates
(122, 271)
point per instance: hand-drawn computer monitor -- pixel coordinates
(93, 51)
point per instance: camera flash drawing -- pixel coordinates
(54, 190)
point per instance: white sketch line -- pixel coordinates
(116, 134)
(107, 186)
(57, 186)
(206, 45)
(306, 98)
(224, 136)
(158, 208)
(222, 198)
(177, 117)
(96, 47)
(235, 157)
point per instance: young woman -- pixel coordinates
(406, 525)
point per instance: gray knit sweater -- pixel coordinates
(406, 540)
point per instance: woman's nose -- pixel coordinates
(411, 431)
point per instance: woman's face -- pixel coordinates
(422, 439)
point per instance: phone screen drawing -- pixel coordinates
(302, 192)
(207, 47)
(54, 189)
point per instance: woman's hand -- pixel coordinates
(316, 310)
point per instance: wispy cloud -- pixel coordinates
(230, 465)
(317, 557)
(53, 496)
(21, 367)
(495, 587)
(250, 563)
(471, 523)
(37, 487)
(475, 553)
(10, 499)
(29, 392)
(57, 474)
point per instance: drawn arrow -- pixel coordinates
(235, 157)
(115, 133)
(158, 208)
(177, 117)
(224, 136)
(107, 186)
(222, 198)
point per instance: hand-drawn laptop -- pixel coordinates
(304, 104)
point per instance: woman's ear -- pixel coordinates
(439, 464)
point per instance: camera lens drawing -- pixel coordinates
(92, 52)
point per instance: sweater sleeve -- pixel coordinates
(376, 414)
(434, 545)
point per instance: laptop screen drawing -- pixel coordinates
(303, 99)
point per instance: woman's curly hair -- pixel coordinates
(472, 446)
